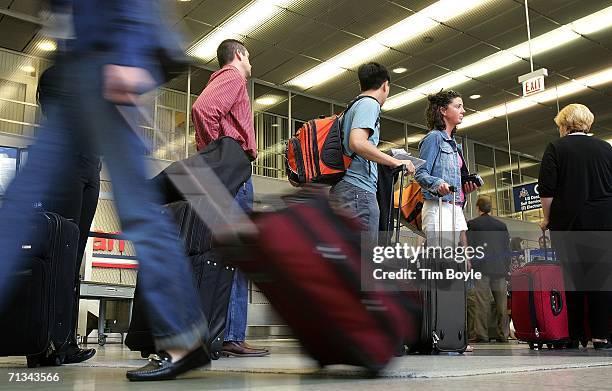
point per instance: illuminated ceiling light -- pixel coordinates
(28, 69)
(401, 32)
(238, 25)
(267, 100)
(562, 90)
(400, 70)
(475, 96)
(47, 46)
(567, 33)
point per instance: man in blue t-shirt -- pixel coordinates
(356, 192)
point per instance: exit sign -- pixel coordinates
(533, 86)
(533, 82)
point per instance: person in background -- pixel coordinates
(223, 109)
(492, 235)
(356, 192)
(575, 185)
(443, 168)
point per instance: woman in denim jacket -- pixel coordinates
(443, 170)
(445, 164)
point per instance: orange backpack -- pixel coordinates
(315, 153)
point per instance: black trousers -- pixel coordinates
(592, 308)
(78, 202)
(587, 270)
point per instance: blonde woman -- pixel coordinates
(575, 185)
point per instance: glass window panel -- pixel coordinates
(483, 157)
(530, 169)
(304, 108)
(391, 134)
(271, 112)
(503, 180)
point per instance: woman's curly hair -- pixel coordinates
(435, 103)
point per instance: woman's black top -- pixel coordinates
(576, 171)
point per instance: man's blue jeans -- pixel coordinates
(236, 321)
(84, 121)
(359, 203)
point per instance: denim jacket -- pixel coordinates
(440, 151)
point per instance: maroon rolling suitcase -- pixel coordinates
(539, 310)
(307, 261)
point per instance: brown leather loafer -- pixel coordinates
(241, 349)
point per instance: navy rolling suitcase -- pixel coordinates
(444, 315)
(38, 320)
(212, 278)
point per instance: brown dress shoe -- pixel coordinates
(245, 344)
(238, 349)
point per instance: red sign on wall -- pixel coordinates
(103, 244)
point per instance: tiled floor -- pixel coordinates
(490, 367)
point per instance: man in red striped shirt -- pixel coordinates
(224, 109)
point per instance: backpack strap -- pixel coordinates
(351, 103)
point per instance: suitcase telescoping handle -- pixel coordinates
(401, 169)
(452, 189)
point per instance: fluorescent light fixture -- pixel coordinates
(28, 69)
(238, 25)
(475, 96)
(266, 100)
(400, 70)
(567, 33)
(562, 90)
(47, 46)
(403, 31)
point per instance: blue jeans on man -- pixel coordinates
(359, 203)
(236, 321)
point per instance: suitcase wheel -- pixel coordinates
(215, 355)
(584, 342)
(535, 346)
(33, 361)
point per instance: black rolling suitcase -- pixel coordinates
(38, 320)
(444, 317)
(211, 276)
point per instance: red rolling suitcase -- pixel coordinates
(307, 261)
(539, 310)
